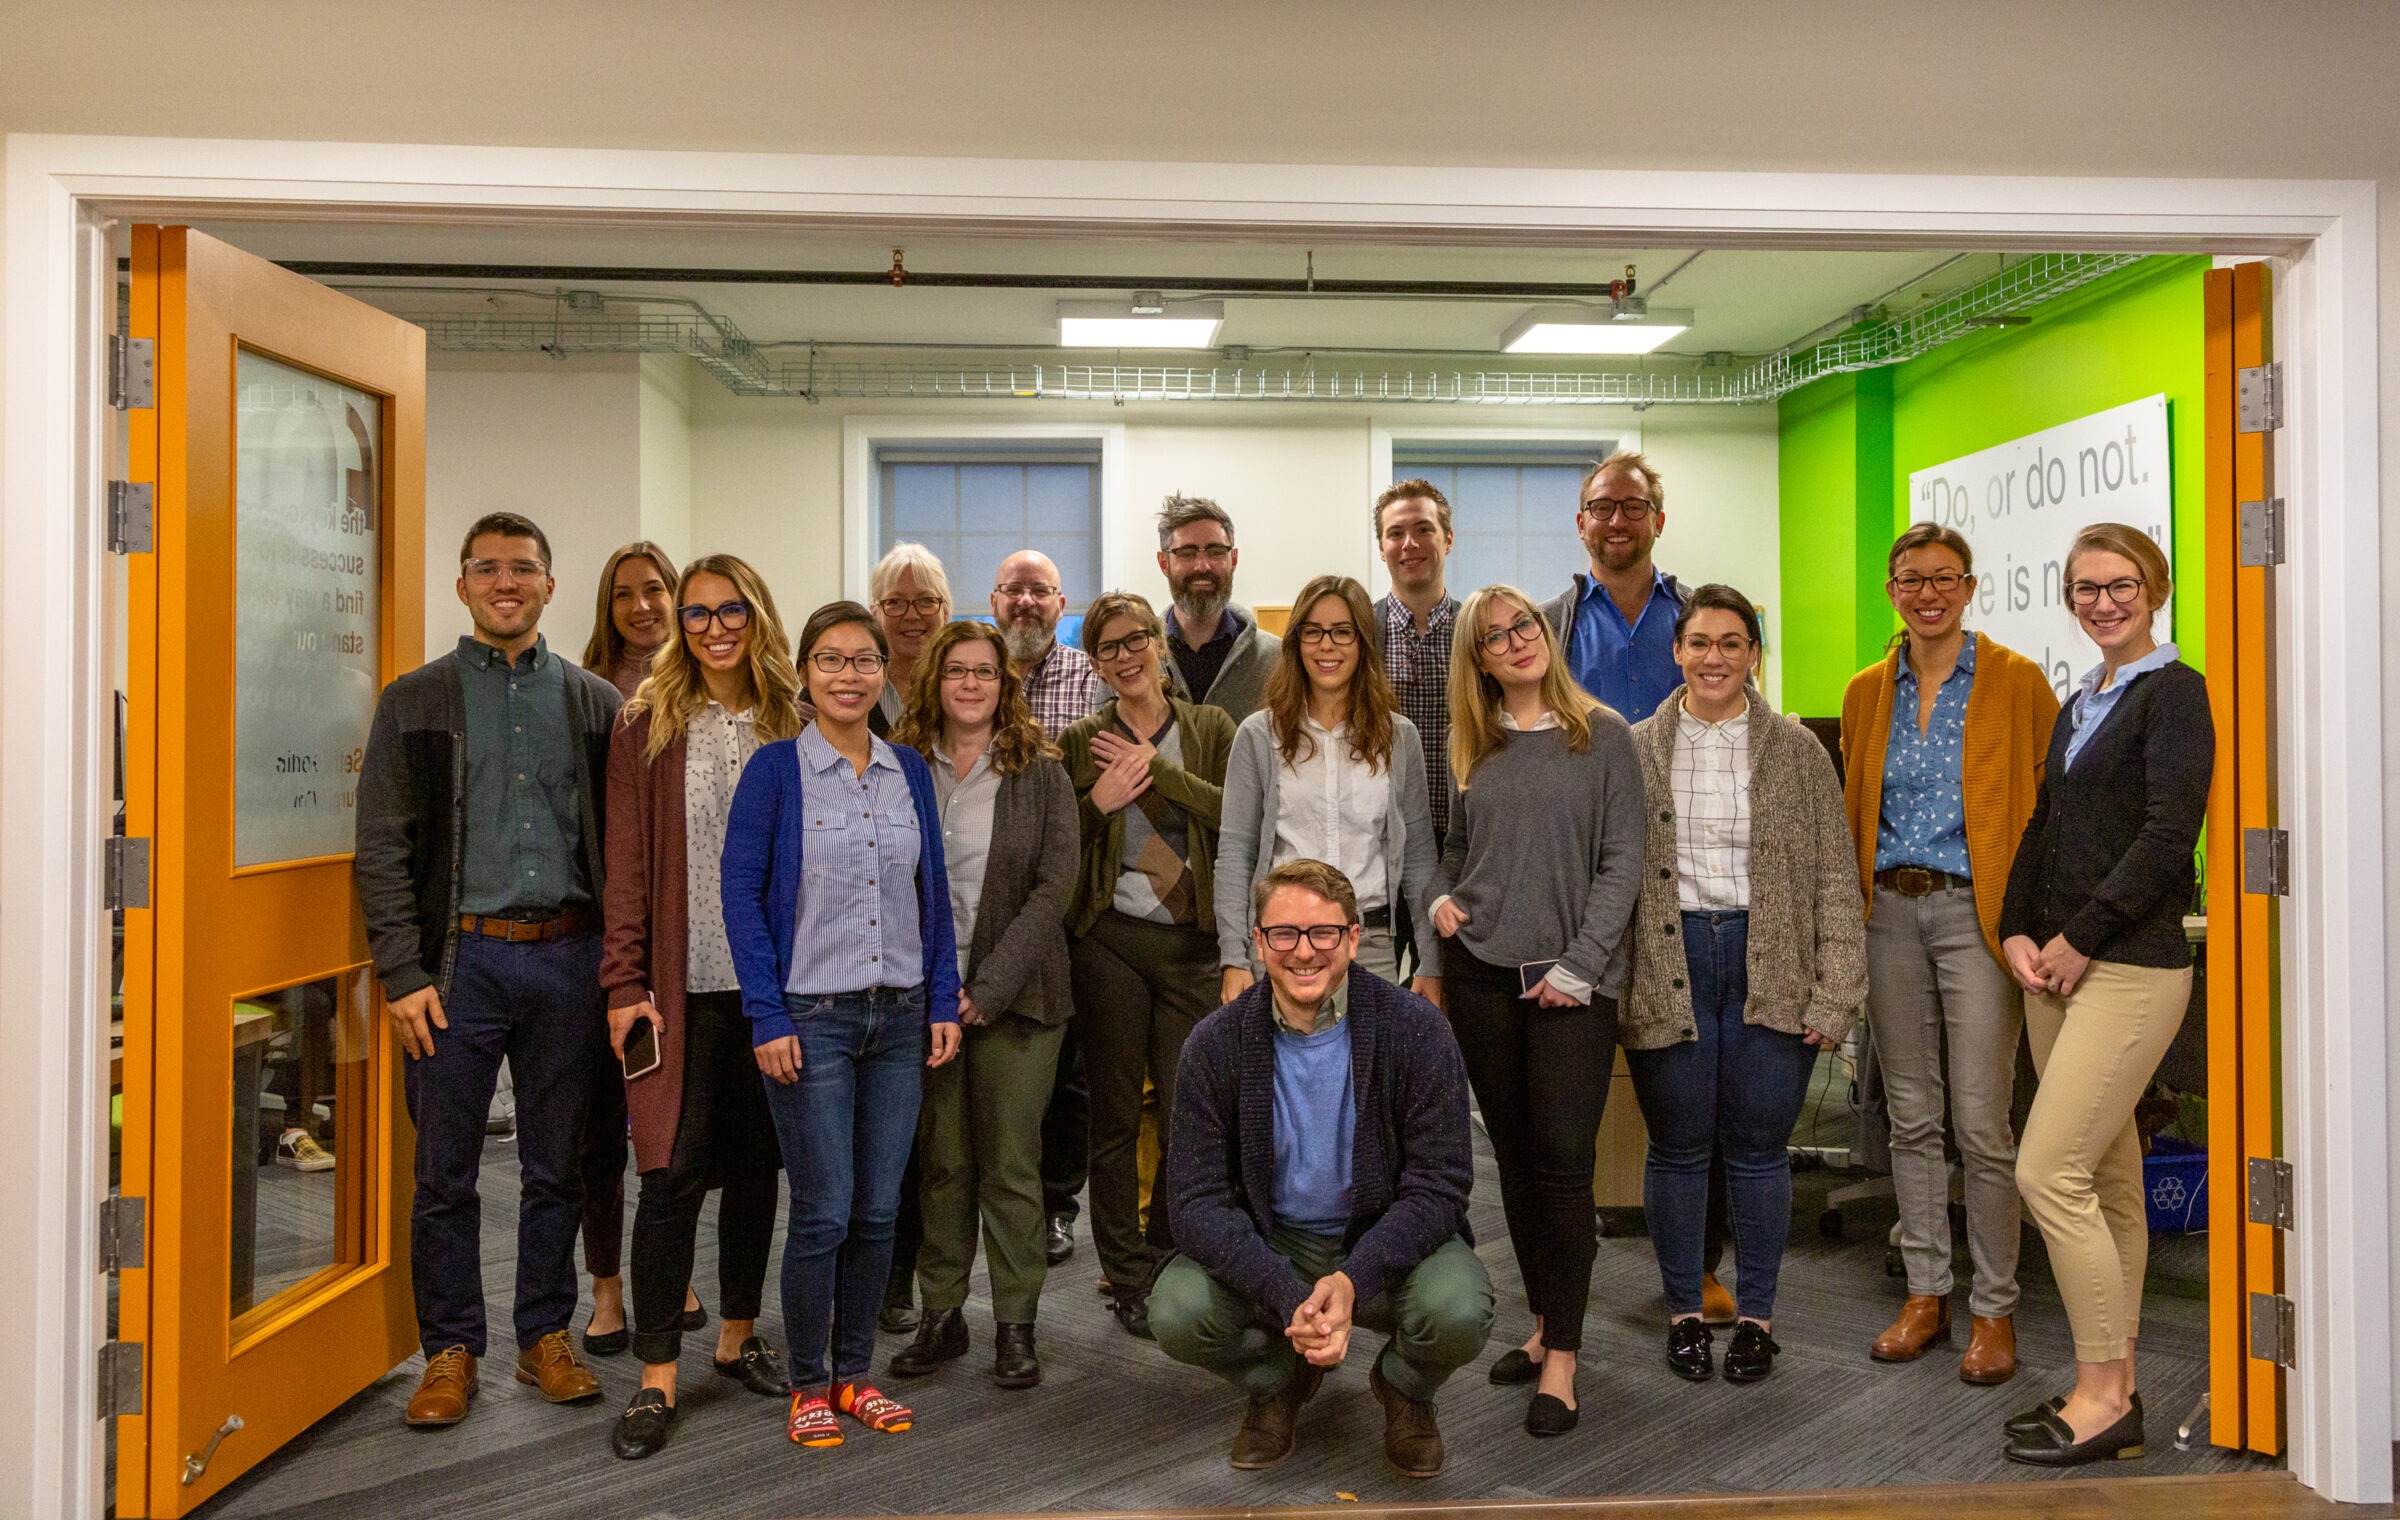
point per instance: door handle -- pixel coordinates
(195, 1465)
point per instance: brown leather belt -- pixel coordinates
(526, 930)
(1919, 881)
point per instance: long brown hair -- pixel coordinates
(1371, 698)
(1017, 739)
(607, 646)
(675, 691)
(1475, 730)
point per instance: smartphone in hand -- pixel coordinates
(641, 1050)
(1530, 974)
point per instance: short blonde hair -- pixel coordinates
(1639, 464)
(907, 556)
(2133, 544)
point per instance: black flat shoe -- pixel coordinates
(641, 1430)
(941, 1337)
(1014, 1364)
(1548, 1416)
(695, 1318)
(1516, 1367)
(1691, 1351)
(2025, 1422)
(1752, 1355)
(608, 1343)
(1059, 1239)
(756, 1369)
(2053, 1443)
(1133, 1312)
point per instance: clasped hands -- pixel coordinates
(1320, 1327)
(2053, 968)
(1124, 770)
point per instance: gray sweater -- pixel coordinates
(1545, 852)
(1241, 682)
(1246, 838)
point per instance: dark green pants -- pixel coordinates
(979, 1154)
(1437, 1317)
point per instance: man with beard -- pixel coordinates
(1618, 625)
(1220, 654)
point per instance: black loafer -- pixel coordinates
(1548, 1416)
(2053, 1443)
(1691, 1351)
(1059, 1241)
(756, 1369)
(1752, 1355)
(641, 1430)
(695, 1318)
(1515, 1367)
(941, 1337)
(607, 1343)
(1014, 1364)
(2025, 1422)
(1133, 1312)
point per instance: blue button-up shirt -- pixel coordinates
(858, 925)
(523, 848)
(1630, 666)
(2091, 704)
(1924, 816)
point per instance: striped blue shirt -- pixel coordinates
(858, 924)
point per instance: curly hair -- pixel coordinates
(1017, 737)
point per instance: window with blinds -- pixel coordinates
(1512, 508)
(975, 504)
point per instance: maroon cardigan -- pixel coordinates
(646, 921)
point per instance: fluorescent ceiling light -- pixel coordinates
(1591, 330)
(1116, 324)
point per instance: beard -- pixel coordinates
(1203, 609)
(1026, 640)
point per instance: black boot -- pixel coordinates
(1014, 1364)
(941, 1337)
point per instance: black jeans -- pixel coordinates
(1066, 1137)
(1540, 1076)
(602, 1163)
(724, 1137)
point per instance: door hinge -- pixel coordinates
(132, 373)
(2274, 1329)
(120, 1378)
(2262, 532)
(2266, 862)
(2258, 397)
(125, 873)
(130, 517)
(2271, 1192)
(122, 1226)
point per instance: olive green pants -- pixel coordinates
(979, 1157)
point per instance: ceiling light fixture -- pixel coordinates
(1624, 327)
(1118, 324)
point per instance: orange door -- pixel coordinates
(263, 1119)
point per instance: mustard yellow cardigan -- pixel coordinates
(2010, 712)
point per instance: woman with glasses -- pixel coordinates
(2093, 930)
(911, 597)
(713, 696)
(1749, 957)
(1329, 770)
(1942, 741)
(1544, 846)
(1009, 829)
(837, 910)
(1149, 768)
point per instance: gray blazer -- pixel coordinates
(1017, 962)
(1246, 838)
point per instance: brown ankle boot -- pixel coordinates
(1924, 1321)
(1991, 1351)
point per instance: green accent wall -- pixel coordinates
(1848, 442)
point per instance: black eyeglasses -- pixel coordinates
(830, 662)
(1188, 555)
(2087, 593)
(1524, 630)
(1633, 509)
(1909, 583)
(1287, 936)
(1340, 635)
(732, 616)
(923, 606)
(1027, 591)
(1132, 643)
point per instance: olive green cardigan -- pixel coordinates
(1197, 786)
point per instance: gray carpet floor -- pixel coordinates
(1116, 1425)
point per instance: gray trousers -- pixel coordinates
(1931, 981)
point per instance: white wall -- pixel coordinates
(666, 448)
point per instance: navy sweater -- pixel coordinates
(1410, 1161)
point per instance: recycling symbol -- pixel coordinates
(2168, 1195)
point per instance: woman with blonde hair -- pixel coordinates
(910, 593)
(1544, 858)
(1328, 769)
(714, 694)
(1009, 829)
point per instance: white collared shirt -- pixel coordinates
(1330, 807)
(1710, 773)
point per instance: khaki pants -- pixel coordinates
(2079, 1164)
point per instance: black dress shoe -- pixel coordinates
(2026, 1421)
(2053, 1443)
(1752, 1355)
(1515, 1367)
(1059, 1242)
(1548, 1416)
(941, 1337)
(695, 1318)
(608, 1343)
(1132, 1310)
(642, 1429)
(756, 1369)
(1014, 1364)
(1691, 1351)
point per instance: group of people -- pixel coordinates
(919, 910)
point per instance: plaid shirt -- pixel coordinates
(1419, 667)
(1062, 687)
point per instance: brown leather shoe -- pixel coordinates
(1924, 1321)
(550, 1365)
(1411, 1439)
(1716, 1304)
(445, 1391)
(1991, 1351)
(1272, 1424)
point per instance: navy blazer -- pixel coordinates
(760, 879)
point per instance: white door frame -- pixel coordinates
(62, 192)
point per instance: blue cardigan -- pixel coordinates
(761, 883)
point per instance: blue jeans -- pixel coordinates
(1737, 1088)
(845, 1129)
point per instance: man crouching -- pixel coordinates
(1319, 1168)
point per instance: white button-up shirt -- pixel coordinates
(1330, 807)
(967, 803)
(1711, 776)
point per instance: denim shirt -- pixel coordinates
(1924, 816)
(858, 924)
(1630, 666)
(2091, 705)
(522, 852)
